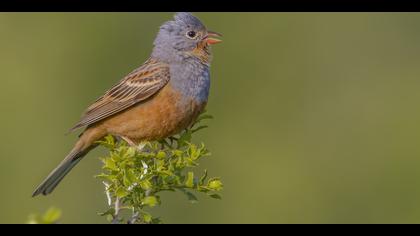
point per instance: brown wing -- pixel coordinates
(134, 88)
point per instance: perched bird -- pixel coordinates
(157, 100)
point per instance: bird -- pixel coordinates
(162, 97)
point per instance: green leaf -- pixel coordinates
(190, 180)
(110, 164)
(126, 181)
(145, 184)
(165, 173)
(191, 197)
(177, 153)
(203, 117)
(107, 142)
(52, 215)
(215, 196)
(193, 152)
(160, 155)
(203, 178)
(109, 218)
(33, 219)
(156, 220)
(131, 176)
(121, 192)
(147, 217)
(150, 201)
(215, 184)
(110, 211)
(199, 128)
(131, 151)
(160, 164)
(180, 163)
(105, 177)
(184, 138)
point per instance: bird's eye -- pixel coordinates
(191, 34)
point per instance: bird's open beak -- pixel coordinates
(210, 40)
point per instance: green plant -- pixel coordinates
(51, 216)
(135, 176)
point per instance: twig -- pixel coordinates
(133, 218)
(117, 211)
(108, 194)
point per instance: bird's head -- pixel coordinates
(184, 37)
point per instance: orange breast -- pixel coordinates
(161, 116)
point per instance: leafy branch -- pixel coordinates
(135, 176)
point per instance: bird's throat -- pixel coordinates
(202, 52)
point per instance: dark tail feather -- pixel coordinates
(54, 178)
(85, 143)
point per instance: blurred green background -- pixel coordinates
(317, 115)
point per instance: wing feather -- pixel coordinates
(137, 86)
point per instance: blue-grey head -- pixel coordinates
(184, 38)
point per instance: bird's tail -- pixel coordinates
(82, 147)
(54, 178)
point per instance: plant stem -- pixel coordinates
(117, 211)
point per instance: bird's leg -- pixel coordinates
(130, 142)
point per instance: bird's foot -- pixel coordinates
(141, 146)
